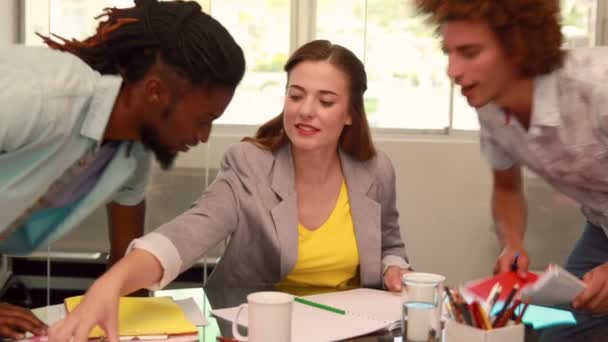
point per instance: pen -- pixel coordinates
(505, 307)
(494, 300)
(492, 297)
(457, 314)
(522, 312)
(477, 320)
(514, 264)
(502, 321)
(483, 317)
(319, 305)
(464, 308)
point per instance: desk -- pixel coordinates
(210, 298)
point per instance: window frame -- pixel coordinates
(302, 29)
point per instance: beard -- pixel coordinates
(152, 142)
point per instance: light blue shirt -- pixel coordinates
(55, 108)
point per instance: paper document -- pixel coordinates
(367, 311)
(188, 306)
(555, 286)
(144, 316)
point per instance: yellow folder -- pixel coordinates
(140, 316)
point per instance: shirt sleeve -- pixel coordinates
(599, 110)
(134, 191)
(21, 112)
(41, 91)
(393, 247)
(498, 157)
(164, 251)
(181, 242)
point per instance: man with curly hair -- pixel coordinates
(542, 108)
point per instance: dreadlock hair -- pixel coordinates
(356, 139)
(529, 30)
(129, 41)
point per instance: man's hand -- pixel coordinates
(595, 297)
(507, 259)
(392, 278)
(15, 321)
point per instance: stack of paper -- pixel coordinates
(150, 317)
(366, 311)
(555, 286)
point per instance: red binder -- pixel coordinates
(481, 288)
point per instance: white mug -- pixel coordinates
(268, 317)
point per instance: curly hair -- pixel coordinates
(529, 30)
(128, 42)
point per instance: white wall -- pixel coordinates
(9, 32)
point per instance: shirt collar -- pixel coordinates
(545, 105)
(100, 108)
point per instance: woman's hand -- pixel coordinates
(98, 307)
(392, 278)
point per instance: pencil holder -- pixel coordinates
(457, 332)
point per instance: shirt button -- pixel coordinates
(42, 201)
(535, 130)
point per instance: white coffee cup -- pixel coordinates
(268, 317)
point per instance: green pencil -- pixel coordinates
(320, 306)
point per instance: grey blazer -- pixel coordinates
(253, 201)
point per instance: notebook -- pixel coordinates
(481, 288)
(145, 316)
(367, 311)
(555, 286)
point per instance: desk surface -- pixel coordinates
(211, 298)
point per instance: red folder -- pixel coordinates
(481, 288)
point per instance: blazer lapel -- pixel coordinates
(285, 214)
(366, 214)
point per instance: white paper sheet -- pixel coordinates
(367, 311)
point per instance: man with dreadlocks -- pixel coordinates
(79, 120)
(542, 108)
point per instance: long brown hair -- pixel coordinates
(355, 139)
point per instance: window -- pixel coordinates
(261, 27)
(407, 85)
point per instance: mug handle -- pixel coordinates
(235, 324)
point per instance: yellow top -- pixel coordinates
(328, 256)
